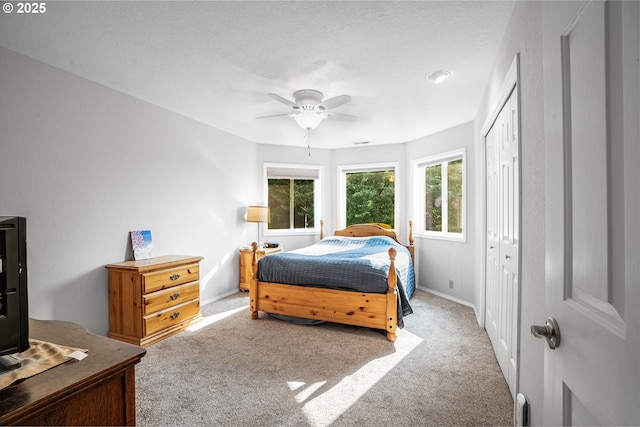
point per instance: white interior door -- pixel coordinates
(502, 240)
(591, 93)
(492, 314)
(510, 236)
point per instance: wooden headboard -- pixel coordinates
(366, 230)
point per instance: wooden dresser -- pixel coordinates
(245, 264)
(153, 298)
(98, 390)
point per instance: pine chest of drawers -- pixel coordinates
(153, 298)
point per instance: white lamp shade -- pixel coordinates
(258, 214)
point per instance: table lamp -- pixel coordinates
(258, 214)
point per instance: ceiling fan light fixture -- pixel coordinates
(309, 108)
(308, 120)
(438, 76)
(307, 98)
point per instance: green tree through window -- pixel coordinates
(443, 196)
(291, 202)
(433, 195)
(370, 197)
(454, 194)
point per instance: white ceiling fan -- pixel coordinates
(309, 109)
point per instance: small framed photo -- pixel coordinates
(142, 244)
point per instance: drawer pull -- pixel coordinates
(175, 276)
(175, 315)
(174, 296)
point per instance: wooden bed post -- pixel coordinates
(253, 287)
(392, 297)
(411, 240)
(411, 233)
(321, 229)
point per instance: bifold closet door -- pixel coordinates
(502, 254)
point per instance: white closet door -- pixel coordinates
(502, 260)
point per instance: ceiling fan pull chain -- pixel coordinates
(309, 141)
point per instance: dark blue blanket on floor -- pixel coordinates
(347, 263)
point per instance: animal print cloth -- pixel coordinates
(40, 356)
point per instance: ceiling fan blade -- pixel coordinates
(335, 102)
(285, 101)
(341, 117)
(273, 115)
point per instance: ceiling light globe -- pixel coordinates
(438, 76)
(308, 120)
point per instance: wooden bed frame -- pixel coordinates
(378, 311)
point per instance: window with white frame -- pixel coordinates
(293, 196)
(368, 194)
(439, 198)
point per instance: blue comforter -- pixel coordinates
(348, 263)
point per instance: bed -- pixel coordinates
(361, 276)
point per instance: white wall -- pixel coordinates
(86, 164)
(524, 36)
(440, 261)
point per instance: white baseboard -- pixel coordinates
(219, 297)
(449, 297)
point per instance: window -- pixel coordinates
(293, 196)
(368, 194)
(440, 192)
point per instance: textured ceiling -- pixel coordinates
(216, 61)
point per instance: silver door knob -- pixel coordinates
(550, 331)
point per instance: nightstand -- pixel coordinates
(245, 263)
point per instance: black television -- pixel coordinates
(14, 309)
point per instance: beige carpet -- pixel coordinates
(234, 371)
